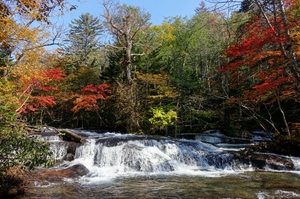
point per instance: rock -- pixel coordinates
(69, 157)
(72, 146)
(271, 161)
(265, 160)
(70, 172)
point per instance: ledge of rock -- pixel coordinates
(260, 159)
(57, 175)
(271, 161)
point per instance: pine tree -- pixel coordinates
(83, 47)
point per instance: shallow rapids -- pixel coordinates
(129, 166)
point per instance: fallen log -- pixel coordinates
(68, 135)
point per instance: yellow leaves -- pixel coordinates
(6, 90)
(163, 33)
(162, 118)
(295, 36)
(159, 85)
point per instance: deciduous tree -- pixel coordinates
(265, 58)
(125, 23)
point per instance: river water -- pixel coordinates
(129, 166)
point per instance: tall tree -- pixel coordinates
(263, 62)
(25, 81)
(125, 23)
(84, 41)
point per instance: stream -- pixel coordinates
(131, 166)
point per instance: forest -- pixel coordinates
(187, 75)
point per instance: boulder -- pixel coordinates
(69, 157)
(271, 161)
(70, 172)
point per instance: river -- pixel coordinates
(129, 166)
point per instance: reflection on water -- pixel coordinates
(245, 185)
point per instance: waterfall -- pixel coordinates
(113, 155)
(57, 146)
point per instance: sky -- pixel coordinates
(157, 8)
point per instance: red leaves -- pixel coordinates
(40, 86)
(98, 89)
(91, 94)
(39, 101)
(258, 59)
(257, 36)
(270, 85)
(54, 74)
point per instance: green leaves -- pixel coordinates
(162, 118)
(17, 148)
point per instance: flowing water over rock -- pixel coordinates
(129, 166)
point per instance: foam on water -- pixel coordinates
(108, 156)
(277, 194)
(130, 157)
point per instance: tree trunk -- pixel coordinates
(293, 59)
(283, 117)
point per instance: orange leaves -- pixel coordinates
(258, 63)
(54, 74)
(34, 93)
(88, 101)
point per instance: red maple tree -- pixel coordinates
(38, 90)
(258, 58)
(90, 96)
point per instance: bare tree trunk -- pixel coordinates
(292, 58)
(294, 64)
(283, 116)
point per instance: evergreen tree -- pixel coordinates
(83, 47)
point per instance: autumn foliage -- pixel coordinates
(38, 90)
(89, 97)
(258, 57)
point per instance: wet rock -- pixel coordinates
(70, 172)
(115, 141)
(69, 157)
(271, 161)
(265, 160)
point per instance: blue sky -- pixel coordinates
(157, 8)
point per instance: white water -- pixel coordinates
(130, 166)
(57, 146)
(112, 155)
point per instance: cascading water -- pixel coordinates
(57, 146)
(110, 155)
(130, 166)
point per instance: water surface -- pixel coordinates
(244, 185)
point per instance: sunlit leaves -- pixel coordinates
(34, 91)
(159, 88)
(163, 34)
(161, 118)
(90, 96)
(257, 55)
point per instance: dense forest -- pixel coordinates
(235, 73)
